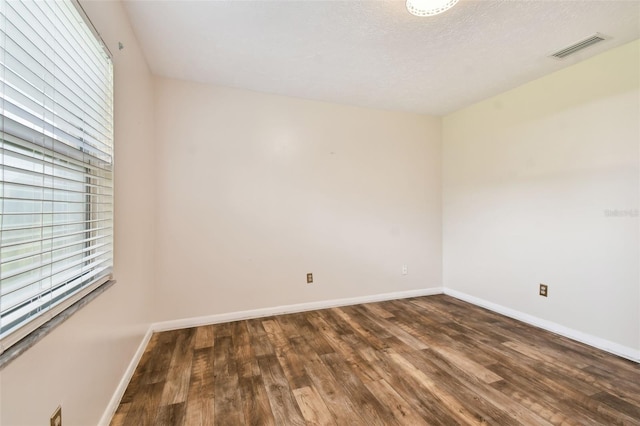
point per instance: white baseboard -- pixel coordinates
(124, 381)
(290, 309)
(597, 342)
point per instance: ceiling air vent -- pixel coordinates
(582, 44)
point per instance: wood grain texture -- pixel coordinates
(425, 361)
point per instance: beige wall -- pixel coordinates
(81, 362)
(257, 190)
(527, 179)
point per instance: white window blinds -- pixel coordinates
(56, 163)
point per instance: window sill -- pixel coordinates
(32, 338)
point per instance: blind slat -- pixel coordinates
(54, 260)
(4, 246)
(37, 45)
(36, 289)
(48, 268)
(40, 250)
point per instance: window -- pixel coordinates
(56, 163)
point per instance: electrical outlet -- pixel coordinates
(543, 290)
(309, 278)
(405, 269)
(56, 417)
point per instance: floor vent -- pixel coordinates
(582, 44)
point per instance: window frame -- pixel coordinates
(71, 296)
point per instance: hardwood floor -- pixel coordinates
(430, 360)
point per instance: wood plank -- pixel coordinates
(468, 365)
(260, 342)
(157, 365)
(376, 336)
(204, 337)
(176, 385)
(420, 399)
(407, 340)
(227, 398)
(400, 408)
(458, 383)
(610, 415)
(145, 405)
(291, 363)
(200, 412)
(121, 414)
(444, 397)
(377, 310)
(619, 405)
(283, 405)
(370, 409)
(255, 401)
(342, 408)
(200, 408)
(314, 410)
(614, 382)
(170, 415)
(554, 412)
(246, 361)
(301, 322)
(345, 344)
(141, 373)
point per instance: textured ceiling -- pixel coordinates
(373, 53)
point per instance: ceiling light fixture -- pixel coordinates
(429, 7)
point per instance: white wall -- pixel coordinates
(527, 179)
(257, 190)
(81, 362)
